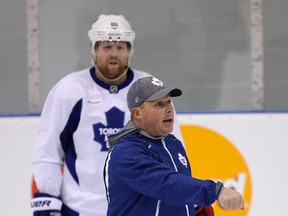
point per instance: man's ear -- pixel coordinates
(136, 113)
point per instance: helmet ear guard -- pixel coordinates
(111, 28)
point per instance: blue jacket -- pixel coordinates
(152, 176)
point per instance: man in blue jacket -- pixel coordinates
(147, 171)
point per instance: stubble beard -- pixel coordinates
(111, 72)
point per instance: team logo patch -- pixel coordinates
(115, 122)
(114, 25)
(114, 89)
(157, 82)
(137, 99)
(183, 160)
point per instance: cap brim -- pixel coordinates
(163, 92)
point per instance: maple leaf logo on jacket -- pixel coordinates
(183, 160)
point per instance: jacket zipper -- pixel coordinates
(175, 167)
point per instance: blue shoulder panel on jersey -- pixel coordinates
(66, 138)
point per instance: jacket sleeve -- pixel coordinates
(139, 171)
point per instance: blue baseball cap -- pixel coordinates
(148, 89)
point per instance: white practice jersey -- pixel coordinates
(79, 114)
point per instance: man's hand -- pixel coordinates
(230, 199)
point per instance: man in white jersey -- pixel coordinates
(80, 112)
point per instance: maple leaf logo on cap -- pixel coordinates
(157, 82)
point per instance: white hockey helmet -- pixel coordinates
(111, 28)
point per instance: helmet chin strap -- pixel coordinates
(108, 80)
(114, 80)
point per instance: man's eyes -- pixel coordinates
(158, 105)
(161, 104)
(110, 47)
